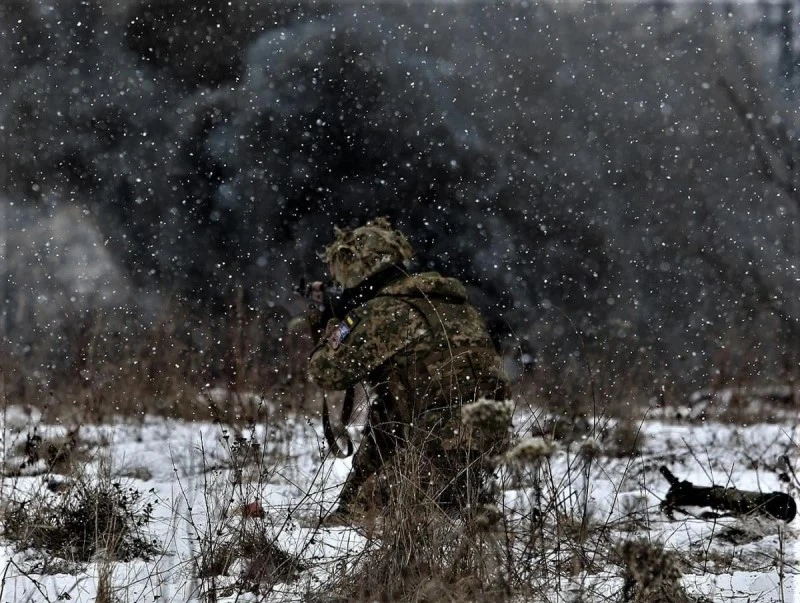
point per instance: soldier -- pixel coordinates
(423, 349)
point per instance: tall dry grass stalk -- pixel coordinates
(169, 366)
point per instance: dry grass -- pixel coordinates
(249, 552)
(494, 553)
(81, 517)
(174, 367)
(235, 544)
(651, 575)
(421, 551)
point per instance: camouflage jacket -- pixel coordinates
(417, 340)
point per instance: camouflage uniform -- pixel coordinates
(425, 351)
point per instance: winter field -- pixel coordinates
(167, 510)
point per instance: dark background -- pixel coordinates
(617, 184)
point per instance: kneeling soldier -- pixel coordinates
(423, 349)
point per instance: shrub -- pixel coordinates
(247, 551)
(86, 519)
(650, 573)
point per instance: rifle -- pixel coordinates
(332, 302)
(736, 502)
(327, 303)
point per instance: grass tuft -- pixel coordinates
(84, 518)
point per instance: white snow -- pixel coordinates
(185, 469)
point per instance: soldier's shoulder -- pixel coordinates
(384, 307)
(387, 319)
(385, 316)
(427, 284)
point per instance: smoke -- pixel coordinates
(577, 164)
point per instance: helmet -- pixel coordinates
(357, 254)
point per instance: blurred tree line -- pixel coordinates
(614, 182)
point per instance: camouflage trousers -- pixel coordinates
(431, 458)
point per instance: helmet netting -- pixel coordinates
(358, 254)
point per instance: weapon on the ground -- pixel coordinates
(732, 501)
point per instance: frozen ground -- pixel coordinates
(200, 477)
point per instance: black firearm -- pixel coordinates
(328, 301)
(731, 500)
(333, 302)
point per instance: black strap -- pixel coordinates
(327, 428)
(350, 299)
(347, 405)
(368, 289)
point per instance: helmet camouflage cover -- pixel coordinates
(357, 254)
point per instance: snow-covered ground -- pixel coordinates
(201, 477)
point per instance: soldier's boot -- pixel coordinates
(345, 512)
(337, 517)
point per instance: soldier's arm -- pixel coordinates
(382, 328)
